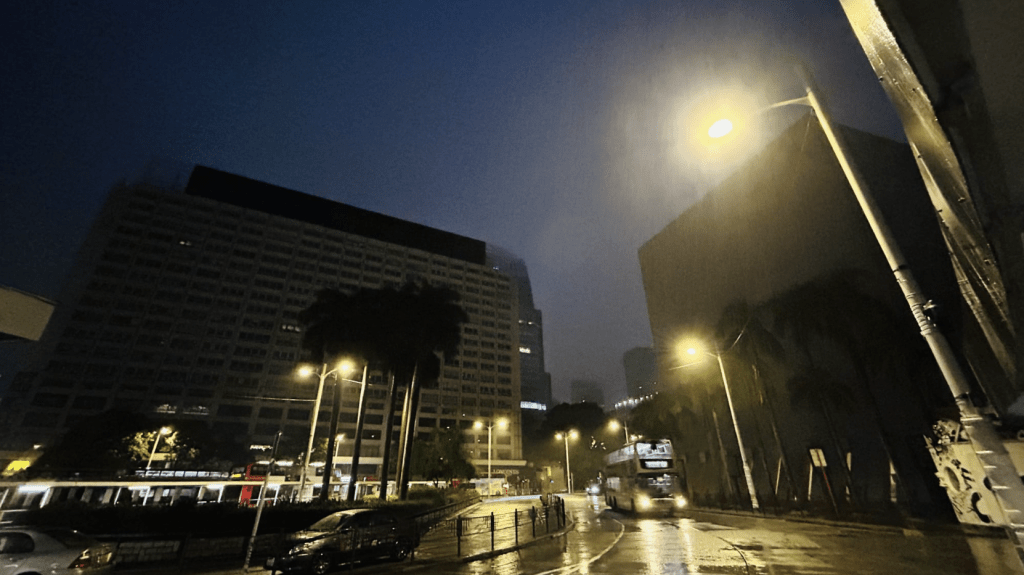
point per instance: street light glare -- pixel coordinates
(305, 371)
(720, 128)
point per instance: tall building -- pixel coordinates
(584, 390)
(536, 382)
(641, 366)
(184, 305)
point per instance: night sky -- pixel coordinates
(557, 130)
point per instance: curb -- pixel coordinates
(908, 526)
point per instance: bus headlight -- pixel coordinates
(680, 501)
(643, 503)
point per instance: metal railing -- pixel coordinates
(498, 531)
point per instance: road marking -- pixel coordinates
(577, 566)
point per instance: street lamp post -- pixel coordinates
(337, 444)
(502, 423)
(568, 472)
(988, 446)
(322, 375)
(614, 424)
(163, 431)
(747, 474)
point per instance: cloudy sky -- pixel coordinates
(557, 130)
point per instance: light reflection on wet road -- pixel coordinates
(605, 542)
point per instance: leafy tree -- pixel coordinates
(442, 457)
(116, 440)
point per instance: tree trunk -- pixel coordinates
(409, 417)
(358, 441)
(389, 423)
(763, 389)
(329, 457)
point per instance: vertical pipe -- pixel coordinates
(312, 428)
(357, 441)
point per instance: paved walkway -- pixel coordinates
(517, 521)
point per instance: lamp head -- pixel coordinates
(305, 371)
(478, 425)
(720, 128)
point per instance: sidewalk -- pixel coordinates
(517, 522)
(908, 524)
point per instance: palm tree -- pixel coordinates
(837, 308)
(755, 347)
(400, 332)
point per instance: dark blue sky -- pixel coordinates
(553, 129)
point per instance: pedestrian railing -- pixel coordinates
(474, 534)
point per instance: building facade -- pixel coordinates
(585, 390)
(641, 368)
(787, 219)
(184, 305)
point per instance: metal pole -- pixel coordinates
(568, 473)
(262, 502)
(489, 457)
(152, 453)
(312, 428)
(995, 460)
(357, 441)
(739, 438)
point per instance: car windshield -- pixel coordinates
(331, 522)
(69, 538)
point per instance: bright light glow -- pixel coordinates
(283, 463)
(32, 488)
(691, 351)
(643, 503)
(524, 349)
(346, 366)
(720, 128)
(680, 501)
(478, 425)
(532, 405)
(573, 434)
(614, 425)
(502, 423)
(165, 430)
(305, 371)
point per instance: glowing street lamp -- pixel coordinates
(306, 371)
(502, 423)
(747, 474)
(163, 431)
(614, 425)
(565, 437)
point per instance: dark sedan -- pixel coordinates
(346, 537)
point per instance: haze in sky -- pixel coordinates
(557, 130)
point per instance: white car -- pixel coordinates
(52, 552)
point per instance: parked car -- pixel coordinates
(52, 552)
(346, 537)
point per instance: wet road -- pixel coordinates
(606, 542)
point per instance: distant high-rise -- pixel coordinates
(536, 382)
(641, 366)
(185, 306)
(584, 390)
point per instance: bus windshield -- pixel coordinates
(663, 483)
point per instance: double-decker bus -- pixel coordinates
(644, 476)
